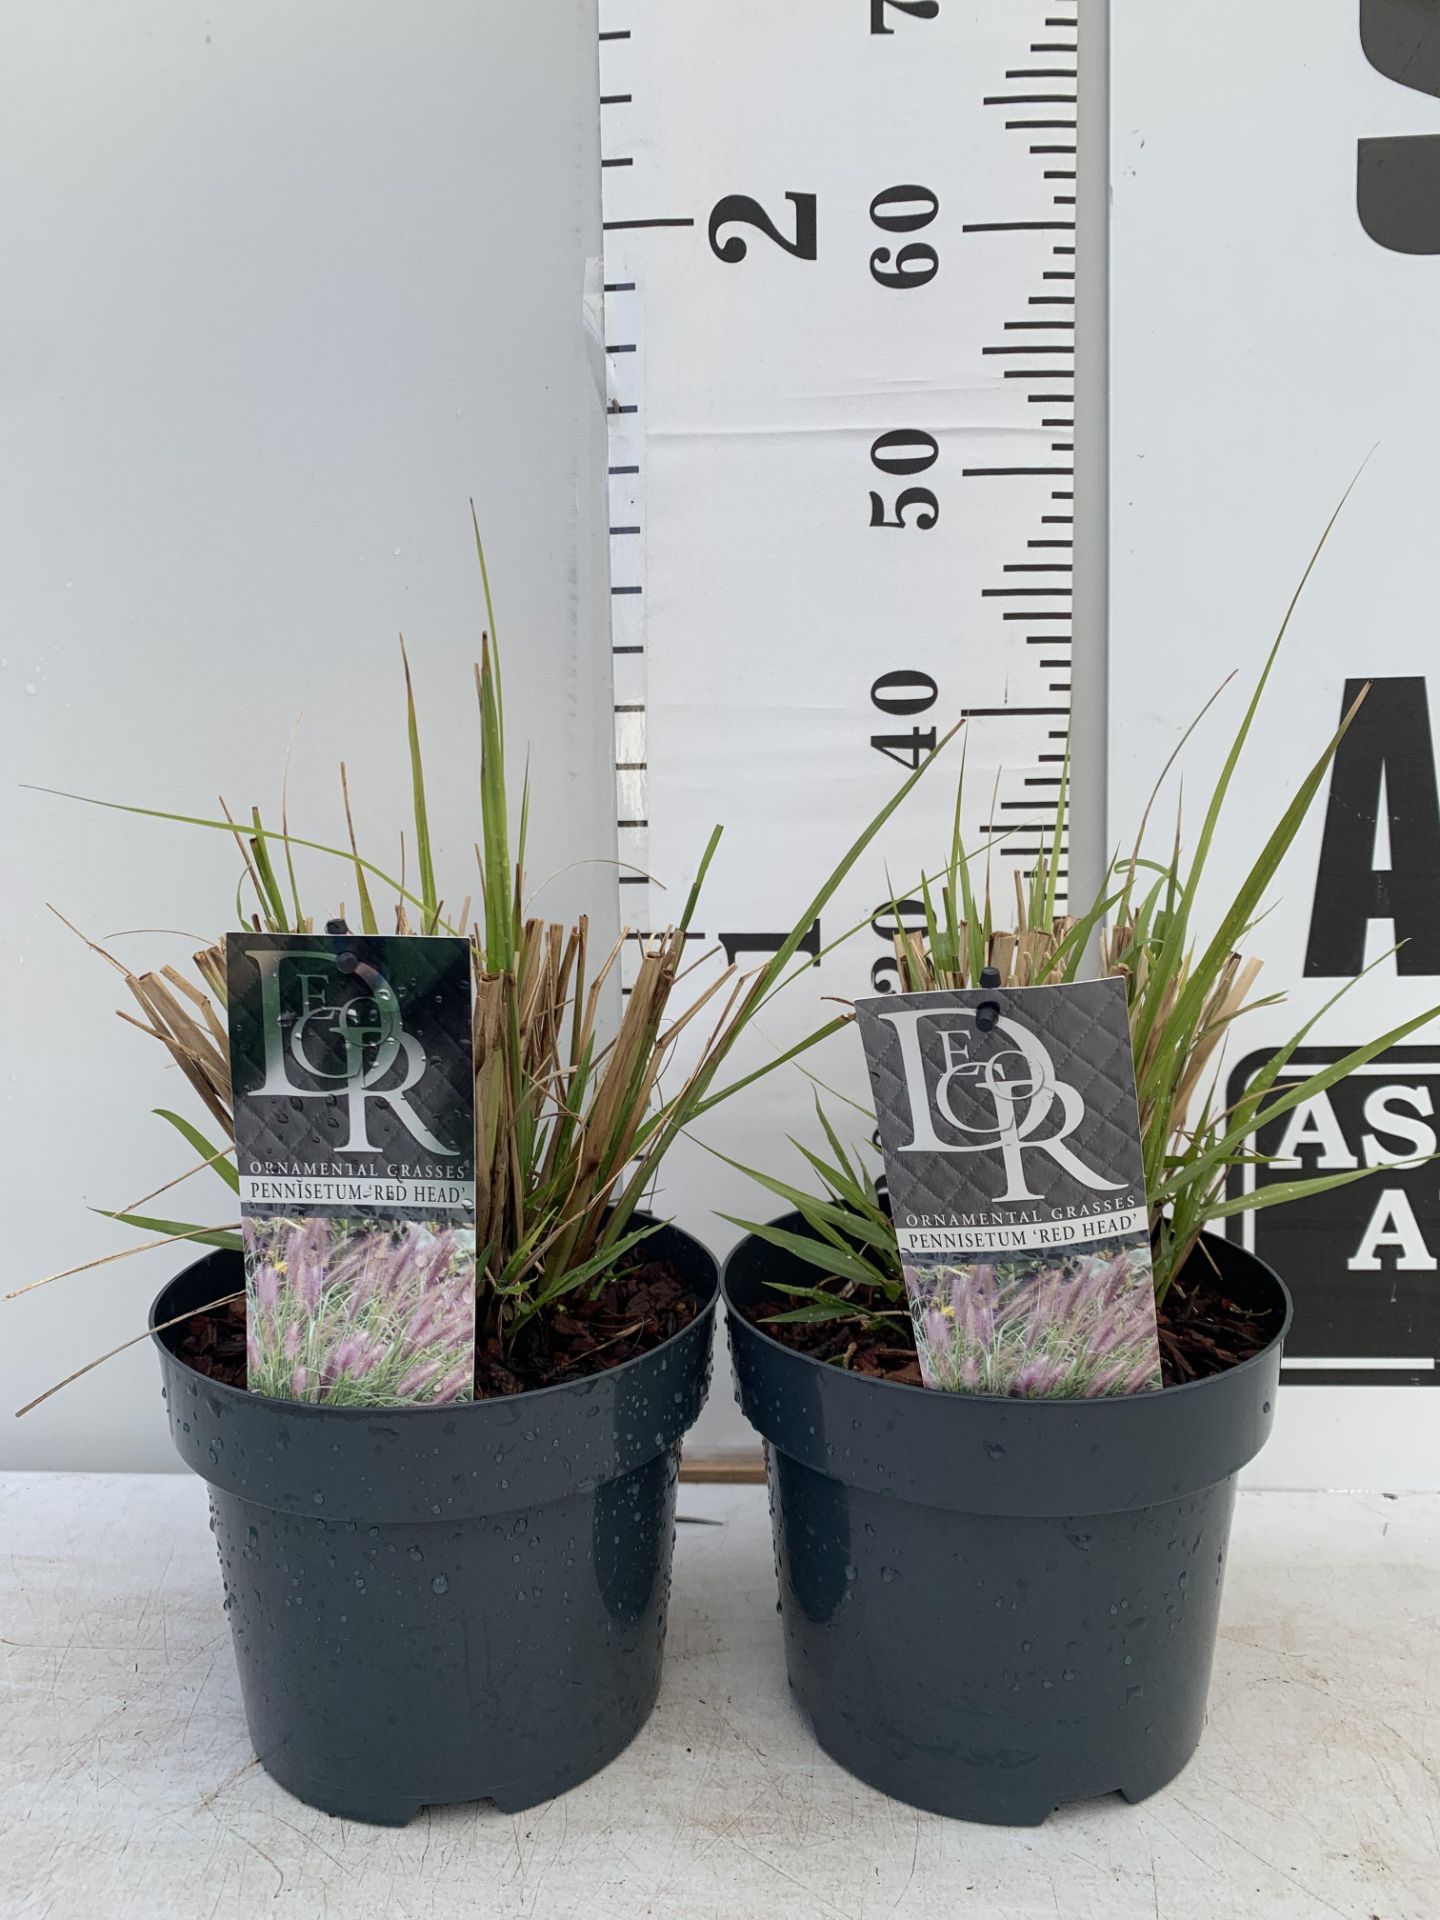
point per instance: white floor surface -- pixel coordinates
(127, 1786)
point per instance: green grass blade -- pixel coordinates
(368, 922)
(1281, 1192)
(274, 900)
(693, 899)
(1174, 942)
(178, 1230)
(500, 928)
(819, 1253)
(428, 894)
(228, 827)
(772, 972)
(202, 1146)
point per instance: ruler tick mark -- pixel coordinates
(995, 713)
(669, 220)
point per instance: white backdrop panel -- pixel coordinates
(1263, 343)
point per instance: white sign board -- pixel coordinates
(1275, 282)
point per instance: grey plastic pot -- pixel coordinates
(992, 1606)
(449, 1603)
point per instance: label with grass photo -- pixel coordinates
(352, 1065)
(1011, 1140)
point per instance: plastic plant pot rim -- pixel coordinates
(456, 1461)
(528, 1396)
(1009, 1457)
(794, 1222)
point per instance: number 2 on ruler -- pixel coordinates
(903, 209)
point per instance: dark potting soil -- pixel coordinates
(643, 1305)
(1202, 1331)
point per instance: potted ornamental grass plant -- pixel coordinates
(447, 1578)
(1000, 1583)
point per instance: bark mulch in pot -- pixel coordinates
(1202, 1332)
(645, 1303)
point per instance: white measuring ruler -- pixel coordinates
(840, 323)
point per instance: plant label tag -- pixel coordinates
(1011, 1140)
(353, 1076)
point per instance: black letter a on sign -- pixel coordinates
(1397, 188)
(1388, 747)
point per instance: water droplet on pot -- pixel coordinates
(849, 1573)
(416, 1555)
(440, 1584)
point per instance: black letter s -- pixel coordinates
(1397, 187)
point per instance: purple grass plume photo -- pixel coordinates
(1072, 1327)
(360, 1313)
